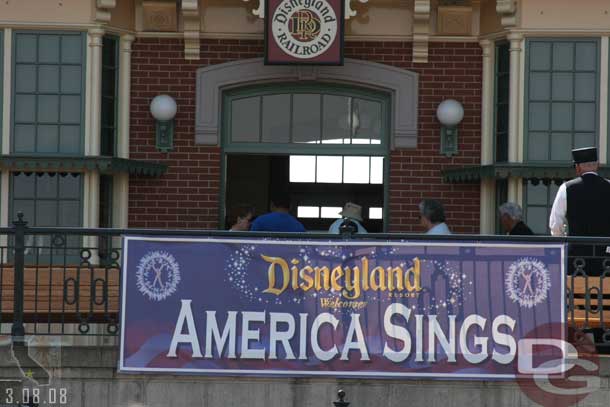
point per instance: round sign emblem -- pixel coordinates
(157, 275)
(304, 29)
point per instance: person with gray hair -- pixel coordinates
(511, 218)
(432, 217)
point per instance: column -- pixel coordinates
(6, 96)
(603, 102)
(120, 186)
(486, 218)
(124, 95)
(513, 112)
(95, 90)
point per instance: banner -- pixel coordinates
(304, 32)
(336, 308)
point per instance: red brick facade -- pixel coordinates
(187, 196)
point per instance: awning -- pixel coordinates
(105, 165)
(544, 172)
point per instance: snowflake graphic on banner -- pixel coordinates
(455, 282)
(528, 282)
(157, 275)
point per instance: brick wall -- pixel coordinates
(187, 196)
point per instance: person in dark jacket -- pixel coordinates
(511, 218)
(581, 204)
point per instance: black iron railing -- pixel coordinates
(65, 281)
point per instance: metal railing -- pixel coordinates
(65, 281)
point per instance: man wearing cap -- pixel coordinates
(581, 204)
(352, 212)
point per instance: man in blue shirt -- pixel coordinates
(279, 219)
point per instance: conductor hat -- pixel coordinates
(584, 155)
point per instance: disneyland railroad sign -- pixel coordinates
(304, 32)
(334, 308)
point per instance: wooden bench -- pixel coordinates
(60, 294)
(589, 313)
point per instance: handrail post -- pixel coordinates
(18, 330)
(341, 402)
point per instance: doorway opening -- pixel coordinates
(318, 186)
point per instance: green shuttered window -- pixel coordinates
(562, 87)
(48, 93)
(501, 107)
(47, 199)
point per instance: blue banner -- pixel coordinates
(337, 308)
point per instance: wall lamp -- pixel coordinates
(163, 108)
(449, 113)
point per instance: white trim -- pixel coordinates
(7, 89)
(94, 56)
(521, 108)
(338, 242)
(514, 94)
(87, 123)
(124, 96)
(262, 372)
(603, 101)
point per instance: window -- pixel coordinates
(47, 199)
(336, 169)
(324, 145)
(561, 98)
(501, 101)
(48, 96)
(108, 117)
(539, 199)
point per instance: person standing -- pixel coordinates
(581, 206)
(511, 218)
(350, 211)
(432, 217)
(279, 219)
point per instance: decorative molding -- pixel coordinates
(454, 20)
(191, 21)
(260, 11)
(159, 16)
(349, 11)
(400, 83)
(507, 10)
(103, 11)
(421, 30)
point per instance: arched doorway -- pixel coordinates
(324, 144)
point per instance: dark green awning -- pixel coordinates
(106, 165)
(521, 170)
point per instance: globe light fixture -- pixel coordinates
(163, 108)
(449, 113)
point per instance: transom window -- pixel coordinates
(561, 97)
(48, 95)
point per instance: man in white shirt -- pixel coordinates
(581, 204)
